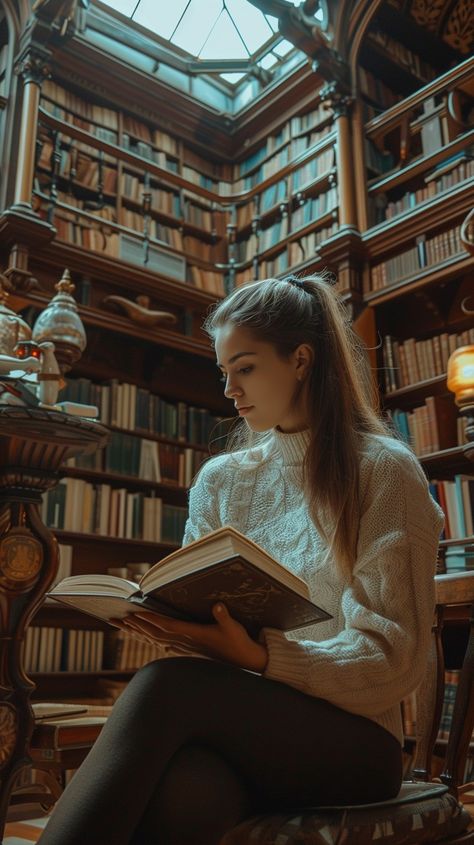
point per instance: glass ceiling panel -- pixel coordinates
(250, 22)
(160, 17)
(212, 29)
(224, 32)
(195, 26)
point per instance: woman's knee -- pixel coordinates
(198, 799)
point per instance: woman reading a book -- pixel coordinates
(193, 745)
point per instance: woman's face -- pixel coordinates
(258, 379)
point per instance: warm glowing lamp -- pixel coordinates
(461, 383)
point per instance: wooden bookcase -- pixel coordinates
(152, 193)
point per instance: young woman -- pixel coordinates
(194, 745)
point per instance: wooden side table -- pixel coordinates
(34, 443)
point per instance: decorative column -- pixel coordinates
(343, 253)
(341, 102)
(33, 68)
(34, 443)
(20, 228)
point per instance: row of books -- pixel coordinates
(295, 253)
(150, 153)
(261, 240)
(132, 188)
(431, 427)
(81, 169)
(314, 207)
(378, 160)
(84, 232)
(156, 137)
(403, 56)
(218, 186)
(292, 128)
(278, 161)
(76, 505)
(451, 681)
(305, 247)
(313, 169)
(131, 407)
(70, 202)
(97, 116)
(295, 126)
(307, 210)
(163, 149)
(268, 268)
(47, 649)
(426, 253)
(168, 234)
(54, 94)
(411, 199)
(99, 237)
(87, 236)
(131, 654)
(374, 88)
(148, 460)
(456, 497)
(310, 139)
(211, 281)
(411, 361)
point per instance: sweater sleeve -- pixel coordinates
(380, 653)
(203, 514)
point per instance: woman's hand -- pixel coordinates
(226, 639)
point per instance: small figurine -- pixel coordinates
(49, 377)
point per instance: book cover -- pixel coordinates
(222, 566)
(67, 733)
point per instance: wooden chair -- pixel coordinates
(424, 811)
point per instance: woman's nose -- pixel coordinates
(230, 389)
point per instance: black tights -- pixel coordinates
(194, 746)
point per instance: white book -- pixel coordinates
(104, 515)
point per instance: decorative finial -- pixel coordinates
(65, 284)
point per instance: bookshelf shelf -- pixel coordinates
(413, 393)
(173, 492)
(115, 674)
(449, 462)
(432, 275)
(455, 77)
(420, 165)
(78, 537)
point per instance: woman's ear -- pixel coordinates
(304, 361)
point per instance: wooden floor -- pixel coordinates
(24, 832)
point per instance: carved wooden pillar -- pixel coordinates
(341, 103)
(34, 443)
(33, 68)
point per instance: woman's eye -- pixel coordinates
(243, 370)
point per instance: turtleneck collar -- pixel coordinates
(292, 447)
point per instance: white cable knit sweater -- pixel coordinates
(373, 651)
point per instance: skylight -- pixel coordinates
(212, 30)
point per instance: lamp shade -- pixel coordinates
(461, 375)
(60, 324)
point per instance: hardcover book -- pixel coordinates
(224, 566)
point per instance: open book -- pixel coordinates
(224, 565)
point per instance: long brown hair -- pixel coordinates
(342, 400)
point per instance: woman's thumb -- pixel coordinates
(220, 612)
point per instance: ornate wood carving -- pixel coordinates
(303, 31)
(33, 445)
